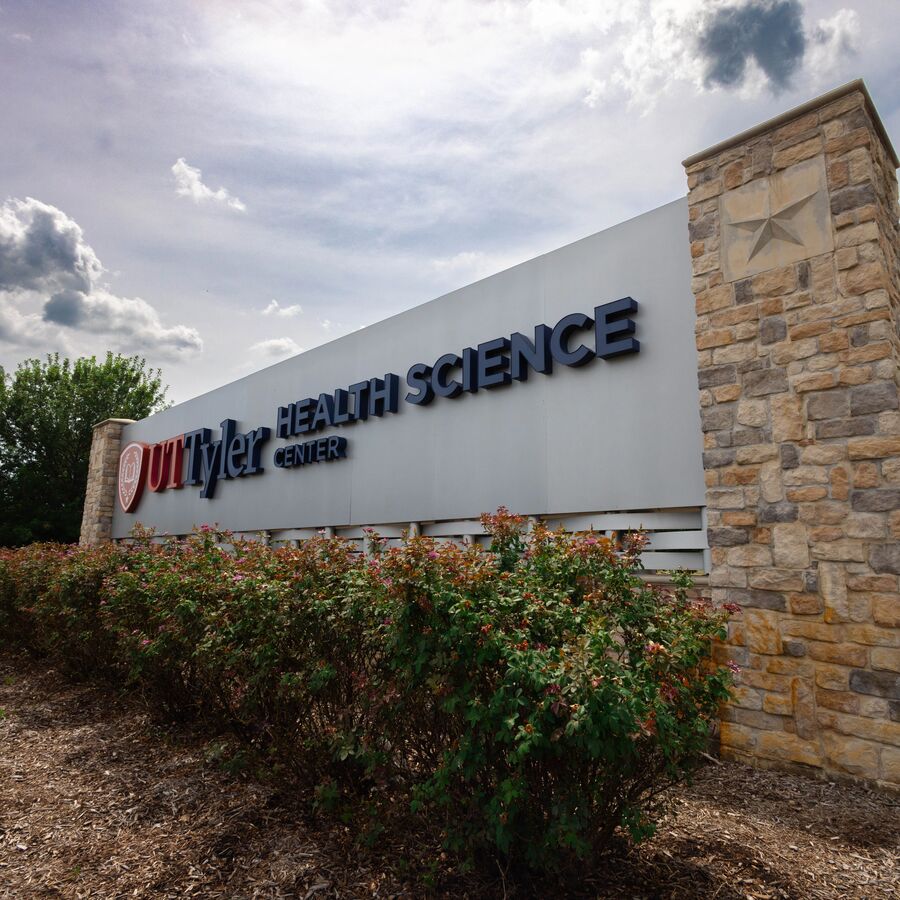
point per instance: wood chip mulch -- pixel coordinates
(97, 799)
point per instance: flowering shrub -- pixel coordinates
(530, 699)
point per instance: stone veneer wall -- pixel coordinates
(103, 471)
(798, 369)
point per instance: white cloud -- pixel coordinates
(470, 265)
(833, 40)
(276, 348)
(286, 312)
(45, 262)
(28, 331)
(42, 249)
(188, 183)
(134, 322)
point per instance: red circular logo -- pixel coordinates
(132, 472)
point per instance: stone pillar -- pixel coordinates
(103, 473)
(795, 247)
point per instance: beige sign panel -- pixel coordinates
(776, 221)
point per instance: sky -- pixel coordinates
(215, 186)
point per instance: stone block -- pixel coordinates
(885, 659)
(869, 353)
(851, 197)
(840, 701)
(890, 471)
(727, 392)
(872, 398)
(807, 494)
(865, 525)
(841, 551)
(884, 500)
(772, 330)
(804, 708)
(809, 329)
(750, 555)
(886, 610)
(854, 757)
(865, 475)
(777, 512)
(725, 498)
(753, 413)
(790, 549)
(864, 727)
(885, 558)
(794, 648)
(713, 459)
(807, 475)
(740, 475)
(822, 381)
(880, 684)
(736, 736)
(746, 698)
(788, 156)
(825, 533)
(717, 418)
(874, 447)
(761, 632)
(890, 765)
(756, 599)
(854, 427)
(783, 354)
(717, 375)
(726, 537)
(835, 340)
(767, 579)
(894, 524)
(880, 583)
(834, 404)
(757, 453)
(790, 456)
(777, 705)
(765, 381)
(711, 339)
(787, 418)
(832, 678)
(863, 278)
(840, 483)
(872, 635)
(838, 654)
(824, 512)
(770, 482)
(787, 747)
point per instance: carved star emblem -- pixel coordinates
(774, 226)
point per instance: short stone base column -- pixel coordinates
(795, 247)
(103, 470)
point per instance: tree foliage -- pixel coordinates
(47, 413)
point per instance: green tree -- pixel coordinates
(47, 414)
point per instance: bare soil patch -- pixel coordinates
(99, 800)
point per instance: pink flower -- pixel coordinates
(145, 642)
(432, 555)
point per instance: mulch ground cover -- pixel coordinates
(98, 799)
